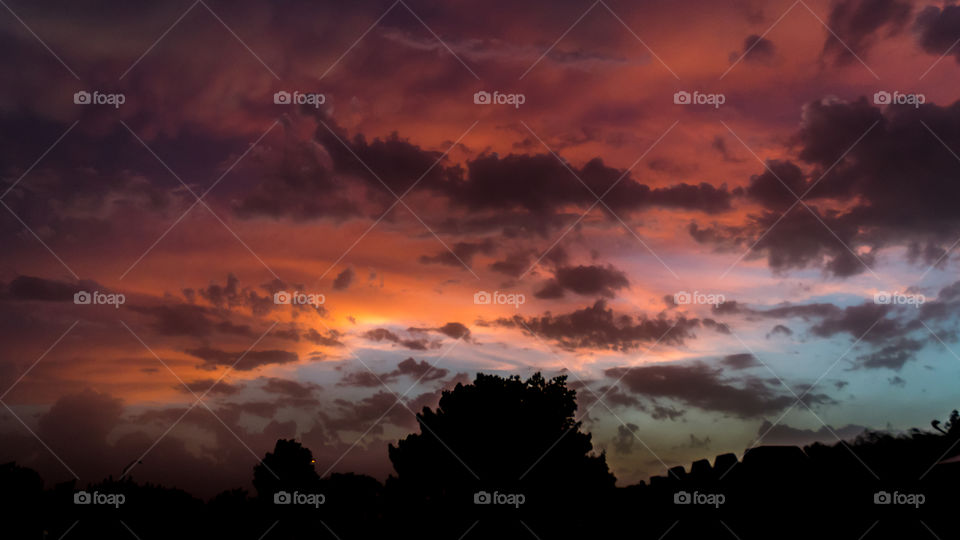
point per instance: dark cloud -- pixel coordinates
(241, 361)
(331, 339)
(894, 187)
(584, 280)
(696, 443)
(35, 288)
(418, 370)
(551, 290)
(223, 295)
(701, 386)
(382, 334)
(304, 185)
(740, 361)
(180, 319)
(513, 265)
(782, 434)
(87, 415)
(860, 24)
(856, 320)
(661, 412)
(720, 145)
(801, 311)
(299, 184)
(779, 186)
(598, 327)
(938, 29)
(890, 331)
(461, 253)
(624, 440)
(755, 49)
(343, 280)
(892, 356)
(361, 416)
(454, 330)
(421, 371)
(780, 330)
(716, 326)
(289, 387)
(210, 386)
(362, 379)
(97, 436)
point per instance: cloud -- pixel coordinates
(36, 288)
(343, 280)
(211, 386)
(780, 330)
(454, 330)
(513, 265)
(421, 371)
(864, 201)
(584, 280)
(313, 182)
(598, 327)
(241, 361)
(937, 29)
(857, 320)
(331, 339)
(625, 438)
(756, 49)
(382, 334)
(858, 24)
(299, 184)
(701, 386)
(461, 253)
(361, 415)
(892, 356)
(289, 387)
(418, 370)
(782, 434)
(182, 319)
(696, 443)
(740, 361)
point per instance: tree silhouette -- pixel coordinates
(290, 467)
(506, 435)
(523, 437)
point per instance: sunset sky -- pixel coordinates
(818, 178)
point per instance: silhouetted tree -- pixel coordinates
(506, 435)
(290, 467)
(521, 437)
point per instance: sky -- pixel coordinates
(224, 223)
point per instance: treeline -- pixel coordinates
(505, 458)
